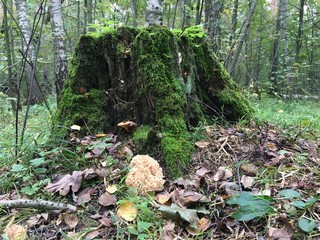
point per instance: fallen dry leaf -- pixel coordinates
(187, 197)
(192, 231)
(168, 231)
(84, 196)
(284, 233)
(64, 184)
(36, 219)
(71, 219)
(202, 172)
(247, 181)
(16, 232)
(203, 224)
(106, 221)
(107, 199)
(111, 189)
(231, 188)
(271, 146)
(128, 211)
(249, 169)
(202, 144)
(163, 197)
(93, 234)
(182, 182)
(223, 173)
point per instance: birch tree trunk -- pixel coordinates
(243, 36)
(8, 51)
(60, 54)
(154, 12)
(214, 8)
(281, 36)
(134, 4)
(34, 92)
(299, 34)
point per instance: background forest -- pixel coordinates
(271, 46)
(257, 178)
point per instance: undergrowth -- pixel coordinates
(303, 115)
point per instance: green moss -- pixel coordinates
(155, 53)
(141, 134)
(169, 81)
(83, 110)
(177, 151)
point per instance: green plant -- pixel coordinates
(307, 225)
(250, 206)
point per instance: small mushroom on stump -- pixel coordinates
(129, 126)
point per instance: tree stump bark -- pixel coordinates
(167, 82)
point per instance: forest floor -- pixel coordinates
(259, 180)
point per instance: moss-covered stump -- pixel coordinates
(167, 82)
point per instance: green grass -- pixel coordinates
(301, 114)
(37, 131)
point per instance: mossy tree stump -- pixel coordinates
(165, 81)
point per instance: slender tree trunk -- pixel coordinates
(242, 38)
(154, 12)
(11, 87)
(299, 33)
(78, 22)
(168, 15)
(186, 15)
(28, 52)
(234, 19)
(60, 54)
(85, 16)
(198, 16)
(134, 12)
(281, 35)
(175, 14)
(214, 9)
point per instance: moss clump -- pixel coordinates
(167, 82)
(81, 109)
(156, 55)
(141, 134)
(178, 150)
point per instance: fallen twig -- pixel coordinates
(38, 203)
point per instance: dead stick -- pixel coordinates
(39, 203)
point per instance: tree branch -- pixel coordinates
(38, 204)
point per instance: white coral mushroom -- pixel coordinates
(145, 174)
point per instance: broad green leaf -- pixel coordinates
(29, 190)
(290, 193)
(311, 201)
(133, 231)
(307, 225)
(18, 168)
(143, 226)
(290, 209)
(40, 170)
(143, 236)
(299, 204)
(37, 162)
(246, 198)
(247, 213)
(189, 215)
(250, 206)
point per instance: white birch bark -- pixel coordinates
(28, 51)
(60, 53)
(154, 12)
